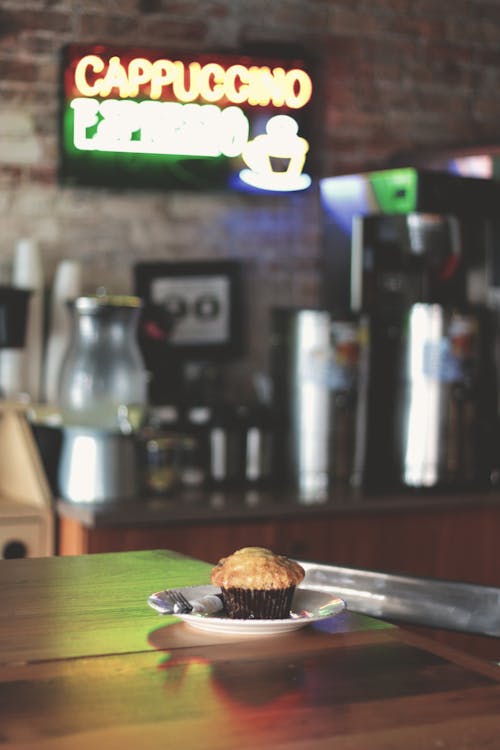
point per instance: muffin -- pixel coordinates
(257, 584)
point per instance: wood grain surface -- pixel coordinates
(81, 669)
(79, 606)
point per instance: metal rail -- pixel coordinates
(438, 603)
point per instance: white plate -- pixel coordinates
(307, 606)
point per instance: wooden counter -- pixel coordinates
(448, 536)
(85, 663)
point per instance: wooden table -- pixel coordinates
(85, 663)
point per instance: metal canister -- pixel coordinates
(315, 371)
(260, 439)
(443, 399)
(196, 455)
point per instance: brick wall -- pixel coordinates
(396, 76)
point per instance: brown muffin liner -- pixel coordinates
(257, 604)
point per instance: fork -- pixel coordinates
(180, 604)
(170, 602)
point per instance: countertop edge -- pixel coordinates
(222, 506)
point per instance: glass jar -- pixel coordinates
(103, 366)
(162, 462)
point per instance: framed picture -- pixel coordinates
(191, 308)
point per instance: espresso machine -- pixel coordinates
(416, 256)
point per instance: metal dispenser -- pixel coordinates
(314, 362)
(412, 253)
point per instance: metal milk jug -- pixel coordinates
(103, 366)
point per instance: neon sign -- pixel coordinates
(141, 118)
(259, 86)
